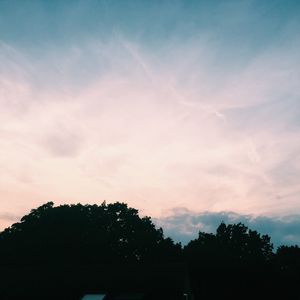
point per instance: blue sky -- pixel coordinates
(161, 104)
(255, 24)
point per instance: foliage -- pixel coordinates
(89, 233)
(231, 245)
(288, 257)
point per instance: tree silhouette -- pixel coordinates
(232, 244)
(288, 257)
(89, 233)
(232, 259)
(63, 248)
(287, 263)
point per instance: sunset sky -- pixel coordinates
(179, 108)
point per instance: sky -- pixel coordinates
(182, 109)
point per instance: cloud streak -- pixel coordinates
(156, 115)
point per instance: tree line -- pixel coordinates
(231, 262)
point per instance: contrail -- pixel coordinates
(134, 53)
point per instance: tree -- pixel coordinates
(232, 244)
(85, 233)
(288, 258)
(229, 262)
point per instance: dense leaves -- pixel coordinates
(237, 262)
(86, 233)
(231, 245)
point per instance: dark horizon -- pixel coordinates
(72, 250)
(166, 105)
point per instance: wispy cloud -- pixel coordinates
(6, 219)
(164, 115)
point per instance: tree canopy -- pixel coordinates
(89, 233)
(233, 244)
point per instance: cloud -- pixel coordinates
(183, 225)
(180, 138)
(8, 217)
(172, 114)
(63, 142)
